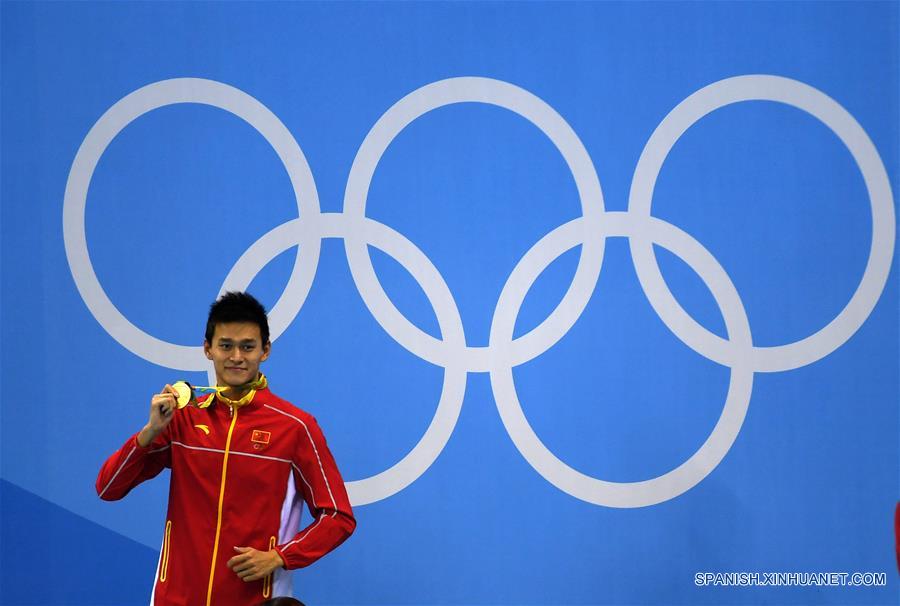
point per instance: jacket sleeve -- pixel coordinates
(317, 476)
(131, 465)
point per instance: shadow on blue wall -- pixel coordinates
(61, 558)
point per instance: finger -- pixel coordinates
(244, 572)
(167, 400)
(168, 389)
(237, 560)
(242, 549)
(253, 574)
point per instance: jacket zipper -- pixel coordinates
(164, 559)
(267, 581)
(212, 566)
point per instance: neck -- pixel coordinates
(232, 395)
(236, 393)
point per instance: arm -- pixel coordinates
(318, 479)
(143, 455)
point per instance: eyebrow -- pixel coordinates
(244, 341)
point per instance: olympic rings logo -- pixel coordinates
(503, 351)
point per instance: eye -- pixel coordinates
(248, 347)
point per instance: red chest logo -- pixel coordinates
(260, 438)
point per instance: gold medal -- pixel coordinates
(185, 393)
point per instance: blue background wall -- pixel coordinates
(183, 191)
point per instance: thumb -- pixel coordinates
(242, 549)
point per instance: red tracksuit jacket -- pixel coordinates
(238, 479)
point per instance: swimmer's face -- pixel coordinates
(236, 351)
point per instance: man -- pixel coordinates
(240, 467)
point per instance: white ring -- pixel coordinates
(110, 124)
(335, 225)
(818, 104)
(503, 352)
(710, 454)
(548, 121)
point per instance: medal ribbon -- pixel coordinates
(186, 393)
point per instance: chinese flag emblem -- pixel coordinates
(260, 437)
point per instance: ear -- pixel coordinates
(206, 347)
(267, 348)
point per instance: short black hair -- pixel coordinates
(237, 307)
